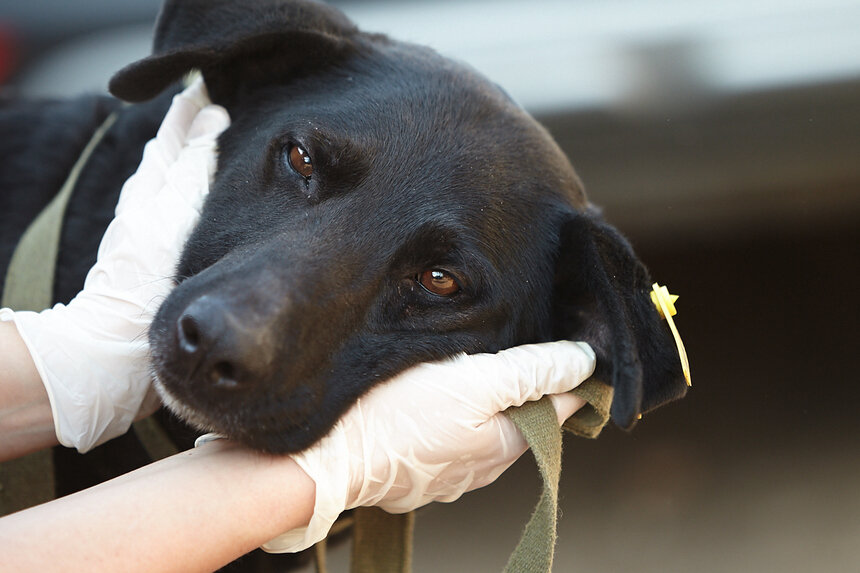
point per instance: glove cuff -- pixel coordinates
(325, 464)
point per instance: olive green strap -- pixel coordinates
(154, 438)
(29, 281)
(26, 481)
(538, 423)
(320, 548)
(29, 285)
(382, 542)
(588, 421)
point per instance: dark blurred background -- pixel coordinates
(724, 139)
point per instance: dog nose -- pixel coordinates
(211, 344)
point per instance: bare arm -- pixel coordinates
(195, 511)
(26, 423)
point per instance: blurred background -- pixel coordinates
(723, 138)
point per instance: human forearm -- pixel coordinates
(26, 423)
(195, 511)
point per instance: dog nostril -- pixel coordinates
(224, 376)
(189, 334)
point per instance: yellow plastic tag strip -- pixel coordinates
(665, 304)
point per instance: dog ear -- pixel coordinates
(233, 42)
(602, 296)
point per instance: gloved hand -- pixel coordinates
(434, 432)
(92, 354)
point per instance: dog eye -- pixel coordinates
(438, 282)
(299, 160)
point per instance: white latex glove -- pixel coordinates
(92, 354)
(434, 432)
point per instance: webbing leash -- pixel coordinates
(382, 541)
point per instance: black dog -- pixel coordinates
(375, 205)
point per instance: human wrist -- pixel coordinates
(297, 511)
(93, 368)
(327, 464)
(276, 488)
(26, 421)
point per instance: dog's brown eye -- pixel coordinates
(300, 161)
(438, 282)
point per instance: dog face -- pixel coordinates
(375, 206)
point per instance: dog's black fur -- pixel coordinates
(297, 294)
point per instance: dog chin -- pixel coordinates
(187, 414)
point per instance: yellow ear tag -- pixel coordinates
(665, 304)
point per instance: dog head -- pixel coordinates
(375, 206)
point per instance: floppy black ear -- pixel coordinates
(231, 42)
(602, 296)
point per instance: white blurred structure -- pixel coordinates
(561, 55)
(685, 118)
